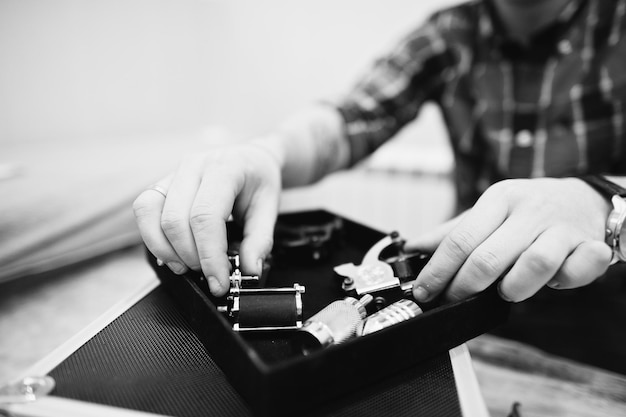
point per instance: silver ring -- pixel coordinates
(159, 190)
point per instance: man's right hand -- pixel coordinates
(187, 227)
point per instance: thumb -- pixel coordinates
(430, 240)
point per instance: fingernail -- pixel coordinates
(214, 285)
(502, 295)
(554, 284)
(420, 294)
(177, 267)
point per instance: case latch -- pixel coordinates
(26, 390)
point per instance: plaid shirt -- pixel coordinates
(554, 108)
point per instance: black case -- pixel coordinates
(273, 377)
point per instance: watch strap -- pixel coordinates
(604, 186)
(614, 225)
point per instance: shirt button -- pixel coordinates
(524, 138)
(565, 47)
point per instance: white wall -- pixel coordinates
(93, 68)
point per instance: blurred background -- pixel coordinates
(100, 98)
(72, 68)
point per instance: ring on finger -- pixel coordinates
(158, 189)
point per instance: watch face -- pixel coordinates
(621, 242)
(618, 219)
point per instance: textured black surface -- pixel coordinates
(149, 359)
(425, 390)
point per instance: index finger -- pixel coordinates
(258, 230)
(209, 213)
(476, 226)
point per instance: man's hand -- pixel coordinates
(187, 228)
(532, 232)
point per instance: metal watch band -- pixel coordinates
(604, 186)
(615, 222)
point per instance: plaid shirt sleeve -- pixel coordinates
(392, 92)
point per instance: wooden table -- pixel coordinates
(544, 385)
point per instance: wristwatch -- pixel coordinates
(616, 223)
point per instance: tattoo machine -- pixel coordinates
(261, 309)
(386, 267)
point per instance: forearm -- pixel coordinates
(309, 145)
